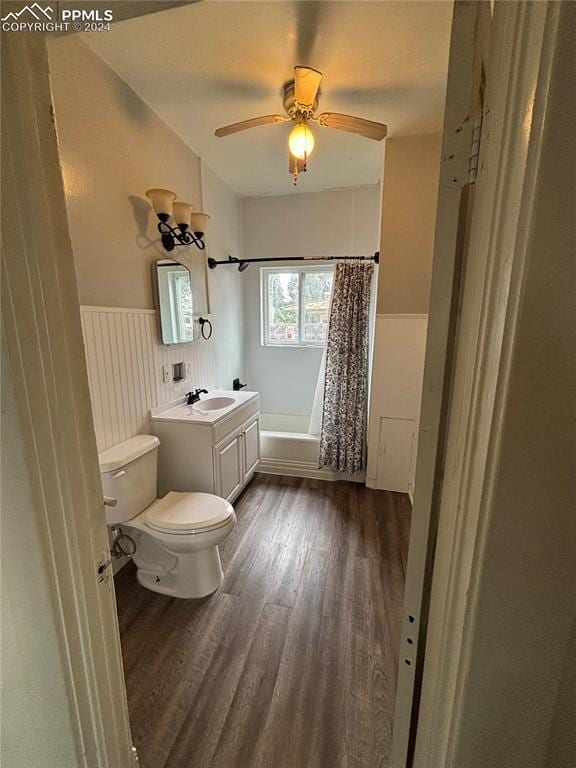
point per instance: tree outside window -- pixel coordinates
(296, 305)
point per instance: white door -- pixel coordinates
(251, 448)
(462, 121)
(229, 468)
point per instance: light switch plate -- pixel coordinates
(166, 374)
(188, 369)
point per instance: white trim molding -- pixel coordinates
(123, 310)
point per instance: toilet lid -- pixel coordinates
(188, 512)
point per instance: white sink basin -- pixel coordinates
(212, 409)
(214, 403)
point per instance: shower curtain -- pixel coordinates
(345, 403)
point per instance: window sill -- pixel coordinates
(292, 346)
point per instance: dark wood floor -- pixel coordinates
(292, 664)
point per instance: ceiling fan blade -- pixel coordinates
(306, 85)
(253, 123)
(367, 128)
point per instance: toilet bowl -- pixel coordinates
(177, 536)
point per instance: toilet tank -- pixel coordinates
(129, 475)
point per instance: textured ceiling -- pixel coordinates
(211, 63)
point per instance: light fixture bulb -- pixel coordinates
(161, 200)
(301, 141)
(199, 223)
(181, 213)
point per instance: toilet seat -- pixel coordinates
(187, 513)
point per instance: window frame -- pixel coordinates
(265, 272)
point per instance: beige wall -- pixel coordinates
(113, 147)
(411, 172)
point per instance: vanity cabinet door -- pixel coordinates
(251, 448)
(229, 474)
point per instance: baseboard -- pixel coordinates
(305, 469)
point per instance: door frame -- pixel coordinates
(517, 93)
(494, 242)
(468, 44)
(43, 336)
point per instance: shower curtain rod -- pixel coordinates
(243, 263)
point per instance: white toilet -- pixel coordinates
(177, 536)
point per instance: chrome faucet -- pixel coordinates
(193, 397)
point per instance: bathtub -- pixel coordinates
(286, 448)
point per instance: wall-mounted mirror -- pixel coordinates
(175, 300)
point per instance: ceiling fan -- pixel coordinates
(300, 104)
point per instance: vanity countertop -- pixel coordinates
(178, 410)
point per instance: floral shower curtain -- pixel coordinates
(345, 408)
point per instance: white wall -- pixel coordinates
(36, 720)
(332, 223)
(398, 368)
(225, 284)
(409, 198)
(125, 359)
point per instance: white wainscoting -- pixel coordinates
(125, 359)
(396, 391)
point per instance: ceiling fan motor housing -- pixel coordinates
(290, 105)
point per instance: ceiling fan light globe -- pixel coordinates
(301, 141)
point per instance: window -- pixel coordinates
(295, 305)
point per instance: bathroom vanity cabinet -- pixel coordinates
(214, 452)
(236, 459)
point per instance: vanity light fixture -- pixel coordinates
(190, 226)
